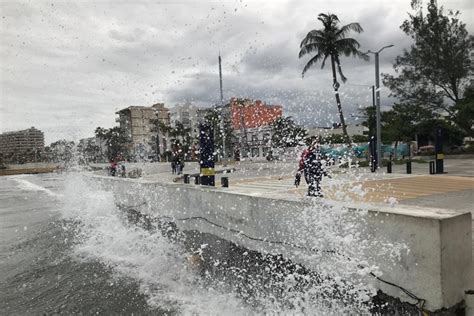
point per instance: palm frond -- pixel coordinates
(309, 48)
(310, 63)
(329, 20)
(362, 55)
(324, 61)
(331, 41)
(312, 37)
(345, 43)
(349, 27)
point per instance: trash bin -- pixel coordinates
(225, 182)
(197, 179)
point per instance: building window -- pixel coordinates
(254, 138)
(266, 150)
(255, 152)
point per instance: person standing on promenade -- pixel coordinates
(312, 166)
(173, 163)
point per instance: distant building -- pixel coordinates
(251, 122)
(137, 121)
(251, 114)
(327, 131)
(21, 146)
(186, 114)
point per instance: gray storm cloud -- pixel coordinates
(67, 67)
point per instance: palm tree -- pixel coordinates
(159, 128)
(331, 42)
(100, 133)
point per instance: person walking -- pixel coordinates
(312, 166)
(178, 163)
(173, 163)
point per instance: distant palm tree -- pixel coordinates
(100, 133)
(331, 42)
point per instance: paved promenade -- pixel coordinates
(453, 190)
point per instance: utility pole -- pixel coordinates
(377, 105)
(224, 156)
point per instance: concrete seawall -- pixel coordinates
(29, 168)
(427, 251)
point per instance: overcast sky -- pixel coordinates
(67, 67)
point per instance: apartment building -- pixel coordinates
(188, 115)
(251, 122)
(21, 146)
(138, 123)
(352, 130)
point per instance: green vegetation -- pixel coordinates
(214, 118)
(285, 133)
(432, 79)
(116, 141)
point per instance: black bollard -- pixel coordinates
(206, 152)
(408, 167)
(432, 167)
(225, 182)
(197, 179)
(389, 166)
(439, 162)
(186, 178)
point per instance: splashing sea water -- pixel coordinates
(98, 233)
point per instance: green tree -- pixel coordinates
(433, 73)
(116, 140)
(464, 112)
(100, 134)
(222, 130)
(158, 128)
(285, 133)
(369, 119)
(331, 42)
(62, 151)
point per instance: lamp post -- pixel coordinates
(222, 127)
(377, 104)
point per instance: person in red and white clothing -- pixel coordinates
(312, 166)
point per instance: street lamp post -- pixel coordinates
(377, 105)
(222, 127)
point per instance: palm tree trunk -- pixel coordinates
(158, 154)
(338, 101)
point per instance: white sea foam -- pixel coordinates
(160, 267)
(26, 185)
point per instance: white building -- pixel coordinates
(187, 114)
(138, 123)
(352, 130)
(253, 142)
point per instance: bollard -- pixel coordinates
(186, 178)
(389, 166)
(408, 167)
(373, 166)
(197, 179)
(432, 167)
(225, 182)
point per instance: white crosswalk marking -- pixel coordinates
(262, 187)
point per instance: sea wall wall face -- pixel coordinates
(426, 251)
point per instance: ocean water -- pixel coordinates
(66, 247)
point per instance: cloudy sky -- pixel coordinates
(68, 66)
